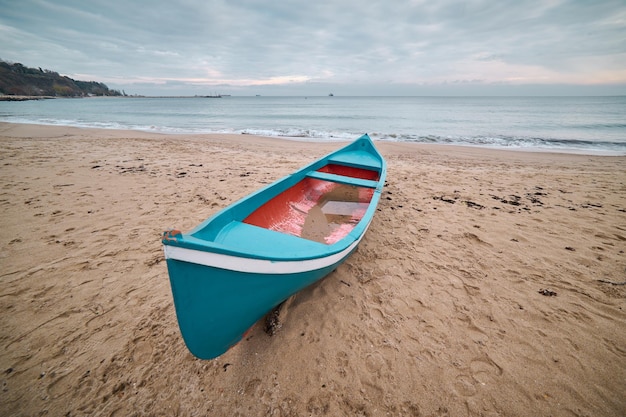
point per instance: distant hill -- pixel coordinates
(18, 80)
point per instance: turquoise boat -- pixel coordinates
(238, 265)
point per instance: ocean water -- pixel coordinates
(588, 125)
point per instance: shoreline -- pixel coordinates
(24, 98)
(7, 126)
(484, 286)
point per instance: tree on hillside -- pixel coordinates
(17, 79)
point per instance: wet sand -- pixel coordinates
(489, 283)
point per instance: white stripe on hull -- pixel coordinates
(252, 265)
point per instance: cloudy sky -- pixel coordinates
(313, 47)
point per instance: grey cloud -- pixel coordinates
(332, 42)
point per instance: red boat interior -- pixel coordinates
(323, 209)
(352, 172)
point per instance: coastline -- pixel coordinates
(440, 311)
(4, 97)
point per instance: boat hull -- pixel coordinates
(215, 307)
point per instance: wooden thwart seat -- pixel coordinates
(342, 179)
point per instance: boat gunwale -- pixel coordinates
(313, 250)
(255, 265)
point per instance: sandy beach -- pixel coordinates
(490, 283)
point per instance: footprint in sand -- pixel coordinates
(143, 351)
(485, 371)
(374, 363)
(482, 372)
(464, 385)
